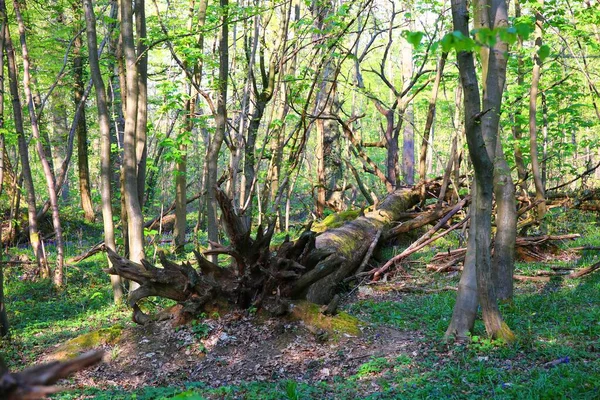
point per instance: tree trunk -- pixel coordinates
(430, 117)
(4, 326)
(105, 142)
(34, 237)
(133, 207)
(329, 165)
(212, 155)
(533, 92)
(58, 277)
(82, 146)
(141, 150)
(181, 165)
(481, 131)
(408, 136)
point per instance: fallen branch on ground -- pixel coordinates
(38, 382)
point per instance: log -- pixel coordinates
(351, 241)
(37, 382)
(310, 268)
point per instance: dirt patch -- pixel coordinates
(236, 348)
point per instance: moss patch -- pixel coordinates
(335, 220)
(337, 325)
(87, 341)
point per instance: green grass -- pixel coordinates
(41, 316)
(555, 322)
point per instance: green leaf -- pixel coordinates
(414, 38)
(544, 52)
(447, 42)
(523, 30)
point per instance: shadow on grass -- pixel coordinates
(42, 316)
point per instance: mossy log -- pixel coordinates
(311, 268)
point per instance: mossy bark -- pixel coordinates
(311, 268)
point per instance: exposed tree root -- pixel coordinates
(312, 267)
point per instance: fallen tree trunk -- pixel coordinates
(312, 267)
(37, 382)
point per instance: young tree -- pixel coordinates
(34, 237)
(540, 195)
(481, 128)
(48, 172)
(133, 140)
(82, 134)
(105, 142)
(212, 155)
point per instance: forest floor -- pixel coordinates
(398, 352)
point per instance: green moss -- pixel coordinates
(88, 341)
(335, 220)
(336, 325)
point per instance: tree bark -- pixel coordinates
(430, 116)
(133, 206)
(141, 150)
(481, 131)
(81, 131)
(214, 147)
(4, 326)
(105, 142)
(540, 194)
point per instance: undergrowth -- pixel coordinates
(557, 354)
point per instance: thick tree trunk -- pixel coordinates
(105, 159)
(481, 131)
(351, 241)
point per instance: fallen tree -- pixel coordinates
(312, 267)
(37, 382)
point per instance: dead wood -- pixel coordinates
(97, 248)
(526, 250)
(425, 239)
(38, 382)
(311, 267)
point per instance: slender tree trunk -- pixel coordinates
(533, 92)
(516, 128)
(82, 146)
(430, 116)
(481, 131)
(408, 135)
(133, 207)
(34, 237)
(221, 124)
(141, 149)
(4, 326)
(105, 159)
(329, 164)
(48, 172)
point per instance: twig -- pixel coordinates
(426, 238)
(369, 253)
